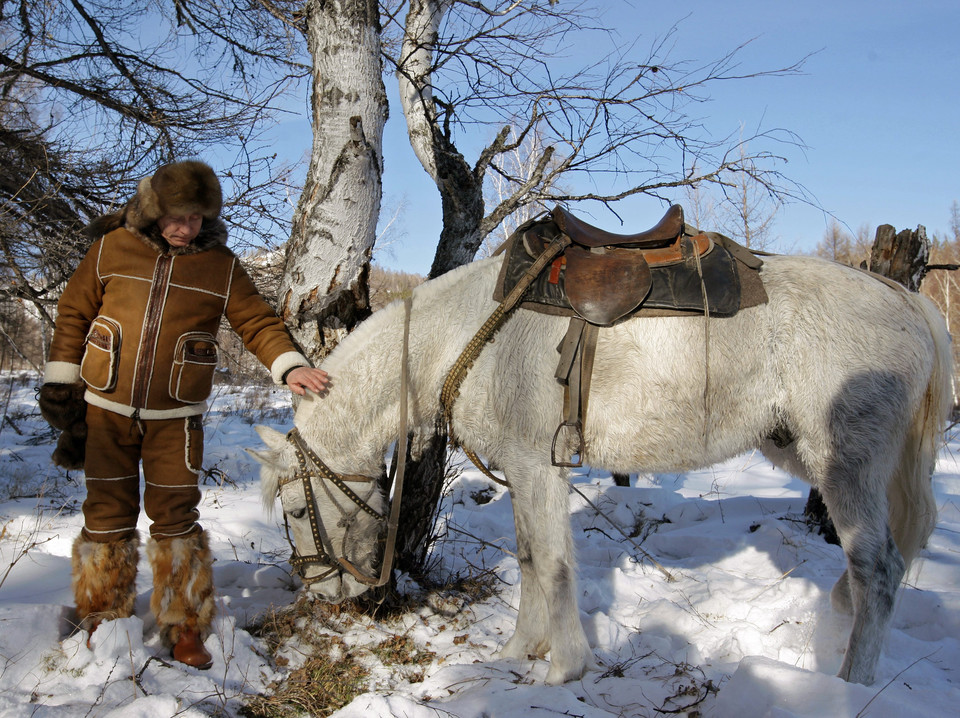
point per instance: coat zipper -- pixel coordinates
(151, 331)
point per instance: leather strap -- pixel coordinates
(568, 350)
(393, 520)
(574, 371)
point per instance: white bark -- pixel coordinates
(414, 77)
(323, 292)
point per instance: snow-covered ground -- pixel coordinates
(744, 630)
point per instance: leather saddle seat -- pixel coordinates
(664, 232)
(606, 276)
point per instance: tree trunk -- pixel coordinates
(324, 291)
(902, 257)
(461, 189)
(425, 472)
(462, 203)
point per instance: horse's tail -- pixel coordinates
(913, 509)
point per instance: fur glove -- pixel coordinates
(63, 407)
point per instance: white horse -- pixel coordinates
(850, 374)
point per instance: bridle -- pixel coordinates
(321, 471)
(310, 466)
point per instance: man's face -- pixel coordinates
(180, 230)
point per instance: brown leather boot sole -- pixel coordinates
(190, 650)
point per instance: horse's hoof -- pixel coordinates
(557, 676)
(517, 649)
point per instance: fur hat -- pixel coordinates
(176, 189)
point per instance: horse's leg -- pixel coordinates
(530, 636)
(865, 443)
(868, 587)
(548, 551)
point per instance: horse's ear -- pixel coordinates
(267, 458)
(271, 437)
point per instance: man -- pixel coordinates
(130, 368)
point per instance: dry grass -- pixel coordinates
(325, 683)
(330, 673)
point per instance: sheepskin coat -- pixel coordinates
(138, 320)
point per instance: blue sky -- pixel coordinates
(876, 106)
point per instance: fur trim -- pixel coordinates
(286, 362)
(182, 585)
(104, 225)
(62, 405)
(175, 189)
(61, 372)
(104, 579)
(212, 233)
(71, 451)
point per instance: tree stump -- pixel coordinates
(903, 258)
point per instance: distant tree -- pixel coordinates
(515, 169)
(841, 246)
(699, 207)
(749, 209)
(943, 287)
(387, 285)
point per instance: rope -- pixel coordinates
(458, 372)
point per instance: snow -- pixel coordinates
(745, 628)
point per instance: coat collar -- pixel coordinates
(213, 233)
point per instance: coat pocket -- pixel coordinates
(194, 362)
(101, 354)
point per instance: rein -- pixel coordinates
(321, 471)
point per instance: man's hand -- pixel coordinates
(305, 377)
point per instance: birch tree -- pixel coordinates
(748, 210)
(324, 291)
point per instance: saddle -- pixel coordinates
(563, 266)
(606, 276)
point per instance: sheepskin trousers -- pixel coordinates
(171, 451)
(104, 582)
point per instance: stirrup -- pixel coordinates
(576, 460)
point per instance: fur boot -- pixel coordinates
(104, 579)
(182, 598)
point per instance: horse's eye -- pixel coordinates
(298, 513)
